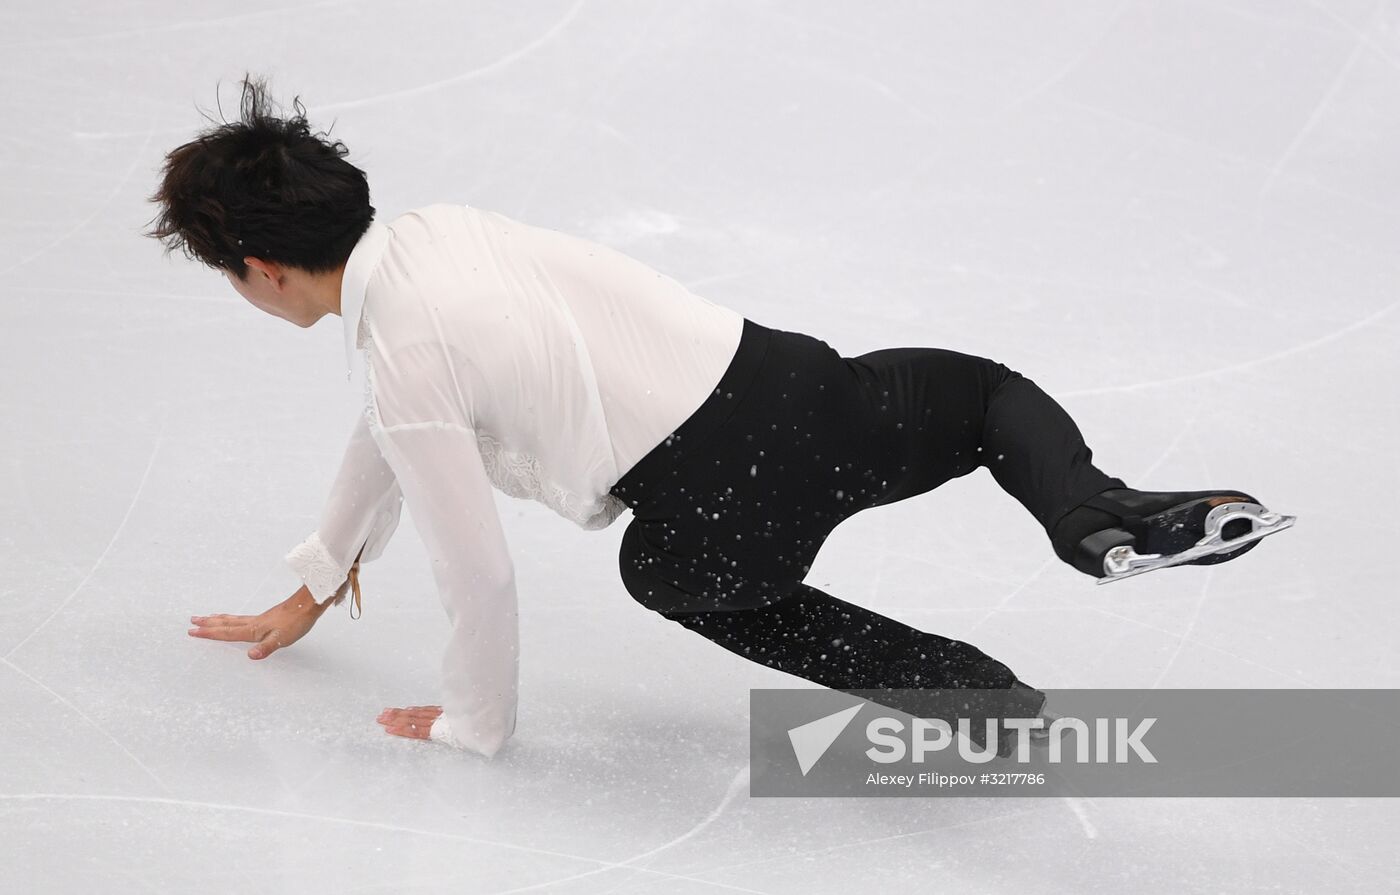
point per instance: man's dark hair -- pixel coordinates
(264, 186)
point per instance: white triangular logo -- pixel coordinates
(811, 740)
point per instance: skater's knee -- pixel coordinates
(982, 376)
(996, 374)
(650, 590)
(637, 566)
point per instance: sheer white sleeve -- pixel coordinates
(451, 499)
(358, 518)
(425, 428)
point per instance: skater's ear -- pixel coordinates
(269, 272)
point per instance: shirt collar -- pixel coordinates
(358, 269)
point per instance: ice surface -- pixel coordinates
(1179, 218)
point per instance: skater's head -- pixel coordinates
(274, 207)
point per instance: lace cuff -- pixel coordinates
(316, 567)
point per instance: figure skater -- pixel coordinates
(497, 354)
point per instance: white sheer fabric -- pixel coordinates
(510, 357)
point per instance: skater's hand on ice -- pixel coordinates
(415, 722)
(282, 625)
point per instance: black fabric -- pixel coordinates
(731, 509)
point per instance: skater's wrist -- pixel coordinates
(303, 602)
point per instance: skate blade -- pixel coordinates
(1125, 562)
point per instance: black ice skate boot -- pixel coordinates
(1123, 532)
(1021, 700)
(1025, 702)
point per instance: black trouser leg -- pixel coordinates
(952, 413)
(847, 647)
(1036, 453)
(837, 644)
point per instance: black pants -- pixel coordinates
(730, 510)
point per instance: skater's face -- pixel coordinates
(277, 289)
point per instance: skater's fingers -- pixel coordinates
(413, 728)
(396, 713)
(267, 646)
(218, 621)
(223, 632)
(419, 714)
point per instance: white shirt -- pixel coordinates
(501, 354)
